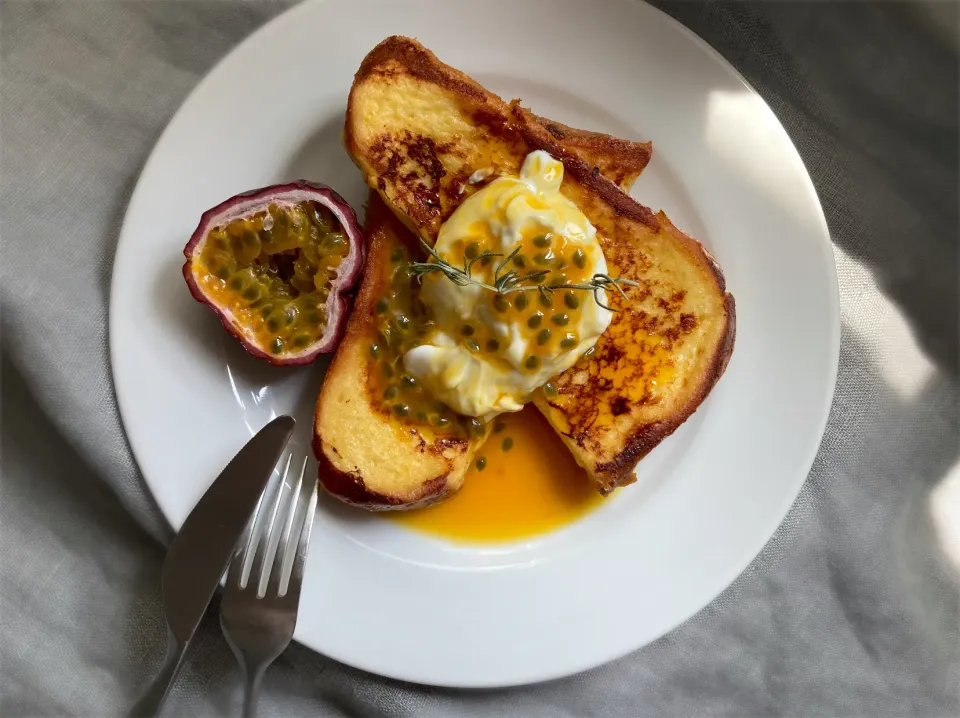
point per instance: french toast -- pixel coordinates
(368, 456)
(421, 131)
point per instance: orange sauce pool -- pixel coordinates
(530, 489)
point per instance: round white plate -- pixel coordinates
(418, 608)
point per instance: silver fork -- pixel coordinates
(258, 626)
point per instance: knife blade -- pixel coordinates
(202, 549)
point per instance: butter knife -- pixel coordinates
(203, 547)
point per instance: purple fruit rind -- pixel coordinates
(348, 271)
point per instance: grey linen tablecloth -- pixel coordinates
(850, 610)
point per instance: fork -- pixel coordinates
(258, 623)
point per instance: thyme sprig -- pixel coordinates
(505, 282)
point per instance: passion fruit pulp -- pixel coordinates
(274, 264)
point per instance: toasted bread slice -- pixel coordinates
(419, 129)
(367, 457)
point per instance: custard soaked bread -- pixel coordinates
(382, 443)
(426, 136)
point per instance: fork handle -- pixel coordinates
(151, 701)
(251, 691)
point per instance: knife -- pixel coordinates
(203, 547)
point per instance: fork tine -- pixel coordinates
(283, 547)
(260, 566)
(242, 550)
(292, 593)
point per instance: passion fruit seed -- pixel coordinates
(520, 302)
(561, 320)
(301, 340)
(500, 303)
(549, 389)
(542, 258)
(421, 416)
(374, 351)
(534, 321)
(403, 322)
(507, 444)
(472, 345)
(481, 463)
(499, 425)
(546, 299)
(569, 341)
(466, 330)
(541, 241)
(438, 420)
(390, 393)
(408, 381)
(543, 337)
(475, 426)
(532, 362)
(579, 258)
(492, 345)
(397, 255)
(520, 261)
(472, 251)
(276, 346)
(571, 300)
(381, 306)
(401, 409)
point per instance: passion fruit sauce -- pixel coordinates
(401, 321)
(274, 270)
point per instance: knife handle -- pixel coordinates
(150, 703)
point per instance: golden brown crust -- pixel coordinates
(667, 345)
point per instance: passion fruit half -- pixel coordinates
(273, 264)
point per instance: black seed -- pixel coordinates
(541, 241)
(561, 320)
(549, 389)
(422, 416)
(390, 393)
(223, 273)
(401, 409)
(499, 425)
(486, 261)
(571, 300)
(481, 464)
(408, 381)
(273, 324)
(500, 303)
(403, 322)
(301, 340)
(543, 337)
(492, 345)
(466, 330)
(387, 371)
(472, 345)
(476, 426)
(520, 302)
(532, 362)
(546, 299)
(542, 258)
(439, 406)
(236, 284)
(397, 255)
(276, 346)
(568, 342)
(472, 250)
(314, 317)
(265, 312)
(507, 444)
(520, 261)
(381, 306)
(251, 293)
(438, 420)
(534, 321)
(374, 351)
(579, 258)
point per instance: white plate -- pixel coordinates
(418, 608)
